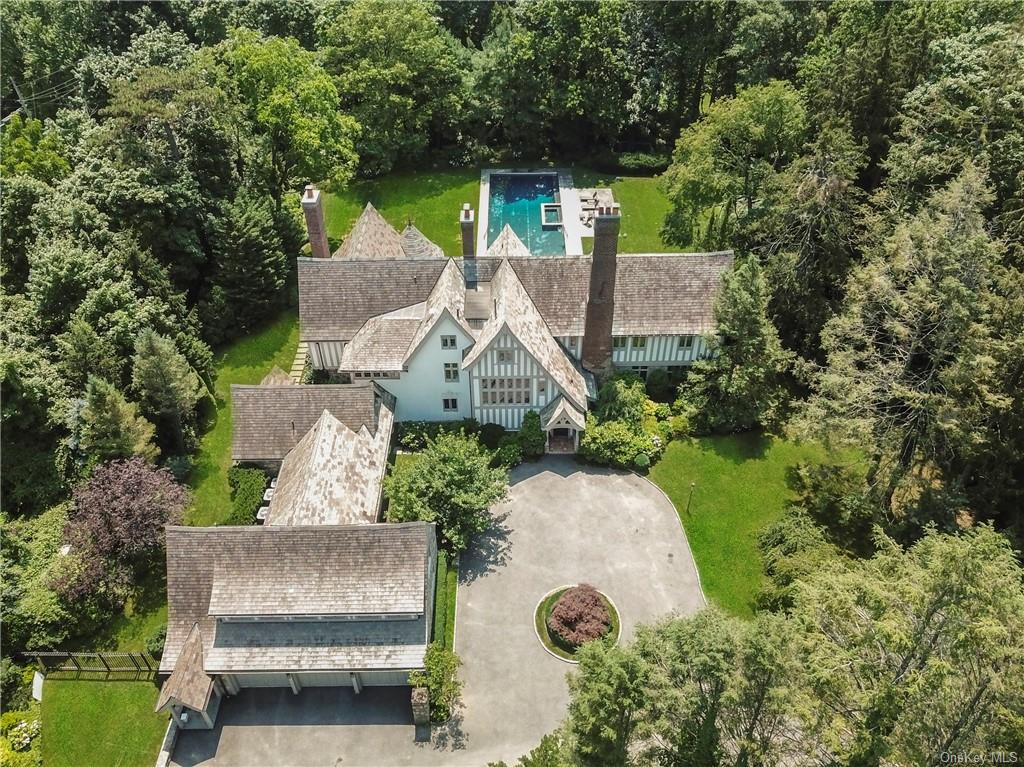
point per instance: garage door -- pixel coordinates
(261, 680)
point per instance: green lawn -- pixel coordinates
(740, 488)
(100, 723)
(244, 362)
(432, 200)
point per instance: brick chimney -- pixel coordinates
(466, 224)
(315, 226)
(597, 332)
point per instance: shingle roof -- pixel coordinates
(387, 341)
(276, 377)
(268, 421)
(667, 294)
(282, 570)
(188, 684)
(334, 475)
(380, 344)
(371, 237)
(337, 296)
(416, 245)
(514, 309)
(508, 245)
(559, 411)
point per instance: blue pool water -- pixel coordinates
(516, 199)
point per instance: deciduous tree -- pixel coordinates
(451, 483)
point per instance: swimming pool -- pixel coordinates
(530, 204)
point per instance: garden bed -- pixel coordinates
(552, 643)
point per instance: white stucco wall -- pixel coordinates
(421, 389)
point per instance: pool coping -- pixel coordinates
(569, 199)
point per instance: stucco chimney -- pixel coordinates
(314, 210)
(466, 224)
(597, 332)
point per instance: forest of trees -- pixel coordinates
(865, 160)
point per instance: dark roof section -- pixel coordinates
(188, 684)
(359, 569)
(667, 294)
(337, 296)
(268, 421)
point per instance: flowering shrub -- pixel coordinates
(579, 616)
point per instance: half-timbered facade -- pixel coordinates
(496, 335)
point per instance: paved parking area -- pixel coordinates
(563, 523)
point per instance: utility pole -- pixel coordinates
(21, 99)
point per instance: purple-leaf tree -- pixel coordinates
(118, 522)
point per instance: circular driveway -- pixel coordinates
(563, 523)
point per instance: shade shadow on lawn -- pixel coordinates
(740, 486)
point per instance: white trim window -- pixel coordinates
(451, 372)
(505, 391)
(620, 342)
(450, 404)
(639, 342)
(685, 343)
(449, 342)
(504, 356)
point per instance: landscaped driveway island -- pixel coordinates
(563, 523)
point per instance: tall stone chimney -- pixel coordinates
(466, 224)
(314, 210)
(597, 332)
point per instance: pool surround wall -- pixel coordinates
(568, 198)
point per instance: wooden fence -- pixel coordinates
(112, 666)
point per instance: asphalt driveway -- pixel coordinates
(563, 523)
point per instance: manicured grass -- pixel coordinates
(740, 487)
(244, 362)
(446, 587)
(543, 612)
(432, 200)
(100, 723)
(144, 612)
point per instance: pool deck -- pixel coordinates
(572, 228)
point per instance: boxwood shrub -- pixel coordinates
(412, 435)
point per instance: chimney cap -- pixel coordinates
(311, 192)
(609, 210)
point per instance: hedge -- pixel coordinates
(247, 487)
(413, 435)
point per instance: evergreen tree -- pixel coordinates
(112, 427)
(741, 384)
(168, 387)
(251, 265)
(911, 377)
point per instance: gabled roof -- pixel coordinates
(560, 411)
(189, 684)
(513, 309)
(386, 342)
(667, 294)
(416, 245)
(276, 377)
(282, 570)
(508, 245)
(371, 237)
(268, 421)
(334, 475)
(336, 297)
